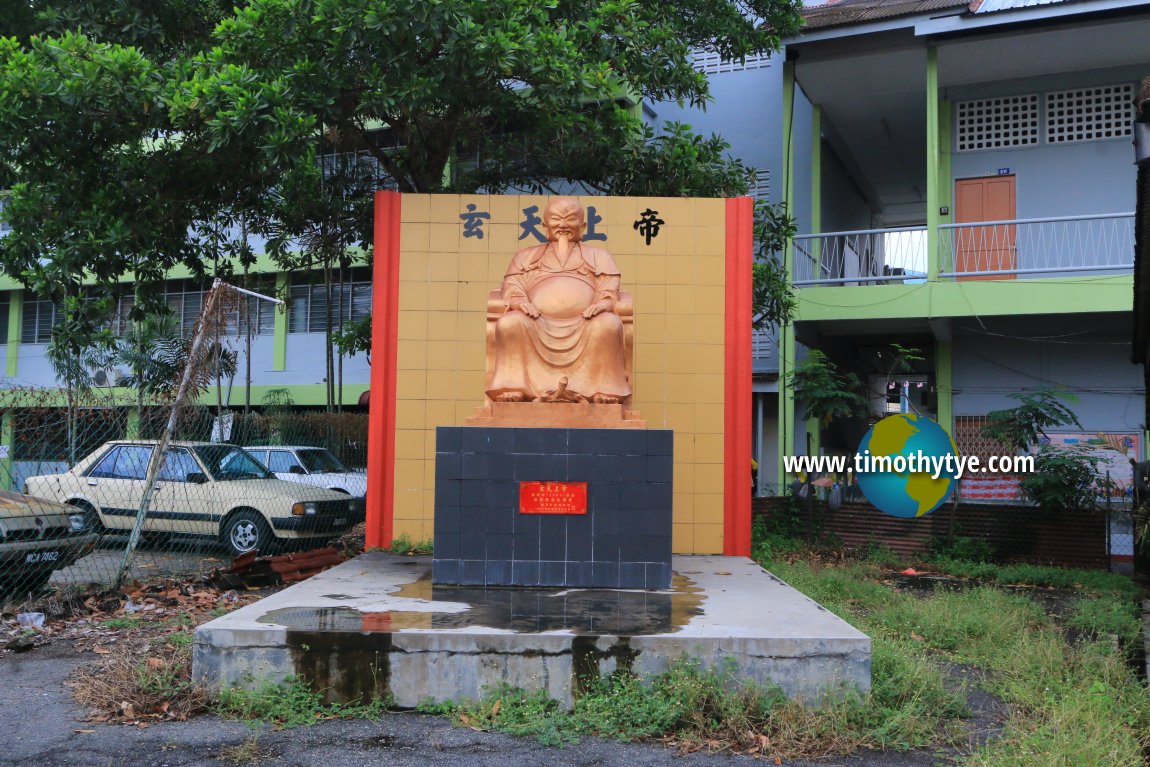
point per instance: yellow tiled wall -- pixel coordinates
(677, 283)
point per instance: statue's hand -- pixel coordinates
(527, 308)
(594, 309)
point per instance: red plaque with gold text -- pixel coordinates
(552, 497)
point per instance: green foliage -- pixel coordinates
(1093, 581)
(405, 545)
(290, 704)
(711, 709)
(140, 137)
(878, 553)
(1020, 427)
(961, 547)
(781, 532)
(826, 393)
(1063, 478)
(278, 401)
(163, 28)
(1108, 614)
(354, 338)
(773, 300)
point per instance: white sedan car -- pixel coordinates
(202, 488)
(310, 466)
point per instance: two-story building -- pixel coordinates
(963, 182)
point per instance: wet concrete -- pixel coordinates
(583, 612)
(377, 625)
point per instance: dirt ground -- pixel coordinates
(42, 726)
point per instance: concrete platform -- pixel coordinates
(375, 625)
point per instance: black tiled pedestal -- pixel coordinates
(481, 538)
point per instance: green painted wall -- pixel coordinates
(1060, 295)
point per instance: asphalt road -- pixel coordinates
(39, 728)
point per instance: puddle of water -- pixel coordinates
(586, 612)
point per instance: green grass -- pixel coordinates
(1105, 615)
(405, 545)
(1072, 703)
(1094, 581)
(907, 707)
(291, 704)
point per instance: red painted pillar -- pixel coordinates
(384, 333)
(737, 383)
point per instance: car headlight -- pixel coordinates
(303, 509)
(78, 522)
(355, 505)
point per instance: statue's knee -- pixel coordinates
(607, 322)
(511, 324)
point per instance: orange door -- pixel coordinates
(984, 248)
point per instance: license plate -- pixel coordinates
(340, 521)
(37, 557)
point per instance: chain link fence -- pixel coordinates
(77, 507)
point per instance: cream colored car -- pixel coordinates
(203, 488)
(37, 537)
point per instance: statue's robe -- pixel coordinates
(531, 355)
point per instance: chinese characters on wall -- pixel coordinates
(647, 226)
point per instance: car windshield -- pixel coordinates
(320, 461)
(230, 462)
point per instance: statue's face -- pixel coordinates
(564, 218)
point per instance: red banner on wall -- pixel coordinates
(552, 497)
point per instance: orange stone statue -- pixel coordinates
(560, 332)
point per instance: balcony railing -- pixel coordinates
(866, 257)
(986, 250)
(1037, 247)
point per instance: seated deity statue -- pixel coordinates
(560, 331)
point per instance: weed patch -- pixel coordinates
(697, 709)
(1107, 615)
(291, 704)
(139, 683)
(405, 545)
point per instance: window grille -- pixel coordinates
(4, 225)
(351, 300)
(760, 185)
(710, 63)
(1089, 114)
(996, 123)
(969, 440)
(37, 320)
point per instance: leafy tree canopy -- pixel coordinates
(136, 137)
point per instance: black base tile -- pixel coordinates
(447, 545)
(631, 442)
(658, 575)
(472, 546)
(449, 439)
(604, 574)
(552, 546)
(473, 572)
(632, 575)
(445, 570)
(498, 572)
(578, 574)
(448, 465)
(525, 573)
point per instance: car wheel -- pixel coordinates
(246, 531)
(91, 517)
